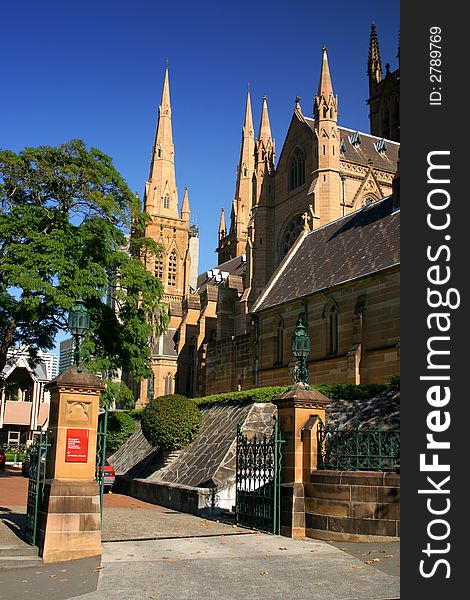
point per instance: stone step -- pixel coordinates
(23, 550)
(15, 562)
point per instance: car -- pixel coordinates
(2, 459)
(109, 476)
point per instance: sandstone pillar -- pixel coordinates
(69, 513)
(299, 410)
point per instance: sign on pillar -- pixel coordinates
(69, 524)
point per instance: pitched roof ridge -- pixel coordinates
(358, 131)
(280, 269)
(351, 214)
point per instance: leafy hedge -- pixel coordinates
(265, 394)
(171, 422)
(345, 391)
(120, 426)
(350, 391)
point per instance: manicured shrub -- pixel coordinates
(120, 426)
(394, 382)
(171, 422)
(265, 394)
(350, 391)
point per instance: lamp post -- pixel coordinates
(300, 349)
(79, 325)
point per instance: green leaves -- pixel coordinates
(65, 221)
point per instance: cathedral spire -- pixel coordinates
(160, 191)
(222, 227)
(325, 87)
(325, 105)
(185, 212)
(244, 187)
(374, 65)
(264, 134)
(248, 123)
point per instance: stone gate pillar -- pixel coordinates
(69, 514)
(299, 411)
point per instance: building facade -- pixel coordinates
(24, 405)
(176, 265)
(325, 173)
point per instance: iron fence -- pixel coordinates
(258, 478)
(356, 449)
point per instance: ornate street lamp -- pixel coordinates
(300, 349)
(79, 325)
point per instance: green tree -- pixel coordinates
(120, 426)
(65, 223)
(117, 391)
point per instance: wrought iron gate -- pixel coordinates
(101, 456)
(258, 478)
(37, 480)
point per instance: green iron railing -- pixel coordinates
(37, 479)
(355, 449)
(258, 478)
(101, 456)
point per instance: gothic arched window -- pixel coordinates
(297, 169)
(159, 268)
(291, 233)
(166, 201)
(169, 384)
(330, 313)
(279, 342)
(172, 261)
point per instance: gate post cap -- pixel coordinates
(76, 377)
(299, 394)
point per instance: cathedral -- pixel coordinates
(313, 234)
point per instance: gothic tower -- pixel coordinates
(233, 243)
(384, 93)
(324, 194)
(170, 228)
(260, 227)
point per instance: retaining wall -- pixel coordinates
(352, 505)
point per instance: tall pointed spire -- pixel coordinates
(185, 212)
(325, 98)
(161, 196)
(325, 87)
(374, 65)
(243, 189)
(222, 226)
(264, 134)
(264, 158)
(248, 123)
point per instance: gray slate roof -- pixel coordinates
(364, 242)
(364, 151)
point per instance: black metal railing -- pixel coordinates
(356, 449)
(37, 479)
(258, 477)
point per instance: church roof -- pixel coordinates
(360, 148)
(364, 242)
(219, 274)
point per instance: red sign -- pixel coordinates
(76, 445)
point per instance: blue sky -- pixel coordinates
(94, 71)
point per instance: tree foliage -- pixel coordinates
(117, 392)
(120, 426)
(66, 215)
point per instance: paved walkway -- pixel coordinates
(175, 556)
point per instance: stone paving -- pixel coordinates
(240, 567)
(196, 558)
